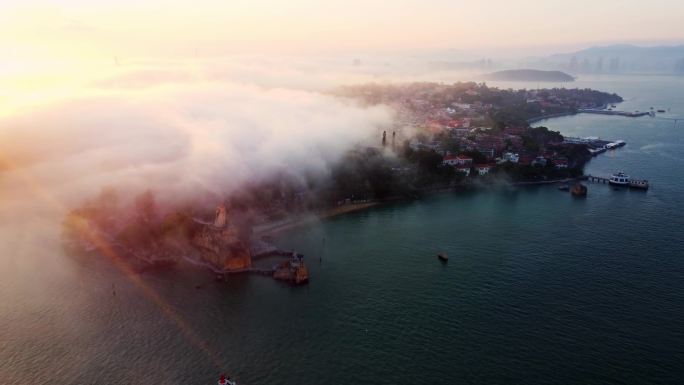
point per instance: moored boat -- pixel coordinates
(619, 179)
(579, 190)
(564, 187)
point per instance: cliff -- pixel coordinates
(220, 243)
(150, 242)
(294, 270)
(222, 248)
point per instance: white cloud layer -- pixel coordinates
(179, 131)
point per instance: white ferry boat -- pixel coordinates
(619, 179)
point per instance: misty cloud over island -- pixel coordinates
(181, 133)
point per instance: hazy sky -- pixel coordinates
(49, 50)
(132, 27)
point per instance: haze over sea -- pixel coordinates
(540, 288)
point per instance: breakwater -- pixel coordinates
(628, 114)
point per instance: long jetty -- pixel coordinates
(639, 184)
(612, 112)
(592, 111)
(598, 179)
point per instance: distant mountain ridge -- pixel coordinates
(627, 51)
(530, 75)
(618, 58)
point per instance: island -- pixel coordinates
(529, 75)
(444, 137)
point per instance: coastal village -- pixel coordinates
(482, 133)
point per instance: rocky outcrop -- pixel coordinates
(222, 248)
(294, 270)
(220, 244)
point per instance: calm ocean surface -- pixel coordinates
(540, 288)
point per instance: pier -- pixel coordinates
(595, 146)
(254, 270)
(597, 179)
(613, 112)
(639, 184)
(292, 269)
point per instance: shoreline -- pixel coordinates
(270, 229)
(356, 207)
(550, 116)
(603, 111)
(273, 228)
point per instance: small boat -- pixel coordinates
(639, 184)
(223, 380)
(579, 190)
(564, 187)
(619, 179)
(443, 257)
(661, 111)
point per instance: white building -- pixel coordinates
(510, 157)
(483, 169)
(457, 160)
(450, 160)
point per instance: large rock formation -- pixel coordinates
(220, 243)
(294, 270)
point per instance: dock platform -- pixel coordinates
(639, 184)
(597, 179)
(613, 112)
